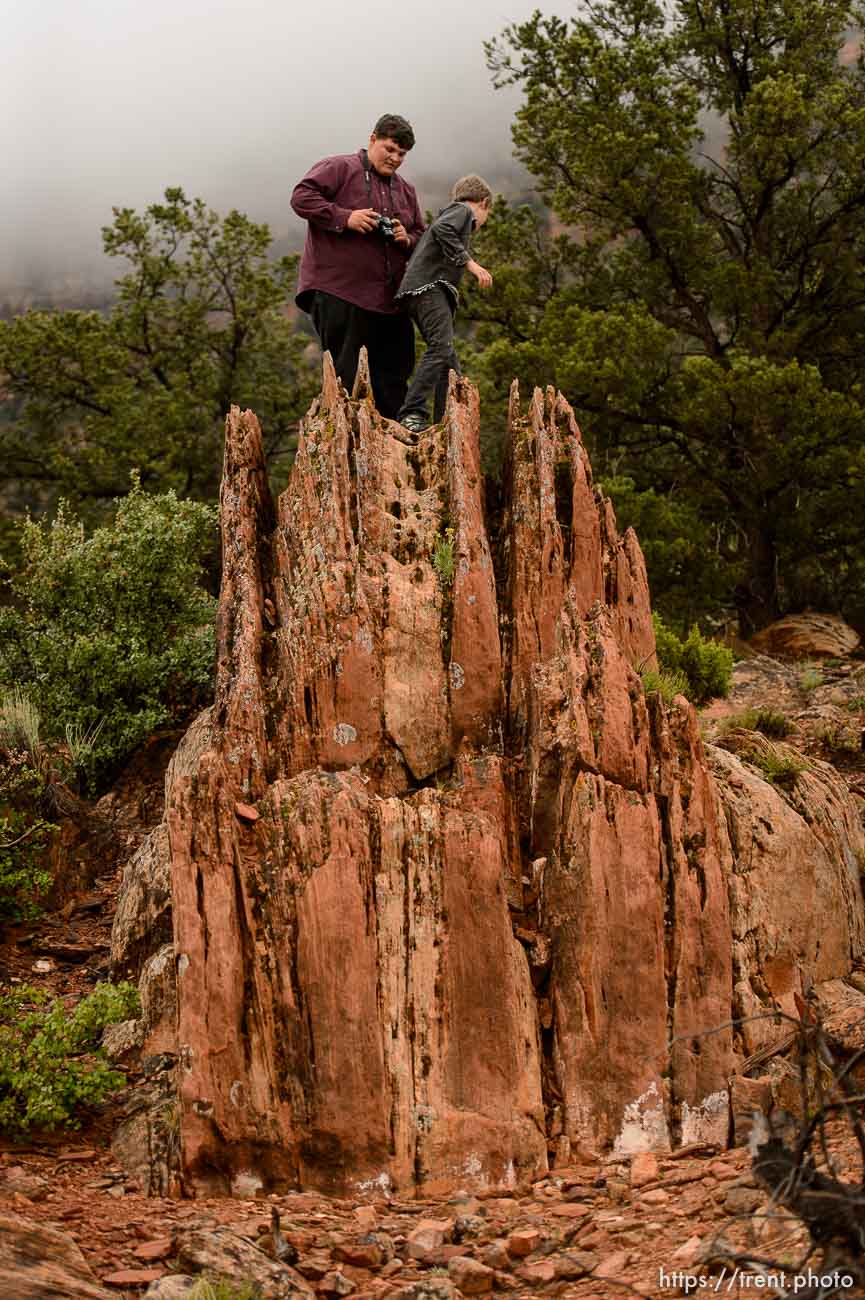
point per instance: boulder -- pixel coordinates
(38, 1262)
(807, 636)
(225, 1255)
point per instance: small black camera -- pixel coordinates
(385, 227)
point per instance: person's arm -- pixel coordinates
(313, 198)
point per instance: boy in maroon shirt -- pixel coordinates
(353, 261)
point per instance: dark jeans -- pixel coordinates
(344, 329)
(433, 312)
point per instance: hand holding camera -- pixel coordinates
(363, 220)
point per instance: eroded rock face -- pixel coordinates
(795, 894)
(390, 790)
(618, 806)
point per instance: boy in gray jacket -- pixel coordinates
(429, 294)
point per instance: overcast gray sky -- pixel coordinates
(110, 101)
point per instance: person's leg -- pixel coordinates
(441, 388)
(390, 343)
(341, 329)
(432, 312)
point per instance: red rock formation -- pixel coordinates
(353, 1007)
(389, 790)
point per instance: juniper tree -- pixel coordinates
(706, 159)
(199, 322)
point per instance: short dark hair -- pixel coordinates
(472, 189)
(393, 127)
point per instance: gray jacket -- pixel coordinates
(442, 252)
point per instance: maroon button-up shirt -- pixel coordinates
(362, 269)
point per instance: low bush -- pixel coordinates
(769, 722)
(50, 1063)
(779, 768)
(705, 665)
(112, 635)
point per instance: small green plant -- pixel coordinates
(780, 769)
(706, 665)
(856, 704)
(215, 1289)
(769, 722)
(668, 685)
(838, 740)
(81, 742)
(25, 837)
(50, 1064)
(810, 678)
(444, 558)
(19, 725)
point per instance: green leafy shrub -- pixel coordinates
(112, 634)
(706, 665)
(50, 1064)
(25, 837)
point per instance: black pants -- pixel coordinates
(433, 312)
(344, 329)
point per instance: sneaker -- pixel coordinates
(415, 423)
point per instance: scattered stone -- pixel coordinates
(657, 1196)
(743, 1200)
(159, 1248)
(570, 1210)
(470, 1276)
(19, 1180)
(644, 1169)
(688, 1253)
(246, 812)
(469, 1225)
(428, 1237)
(614, 1265)
(495, 1255)
(367, 1254)
(538, 1273)
(523, 1242)
(336, 1284)
(575, 1264)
